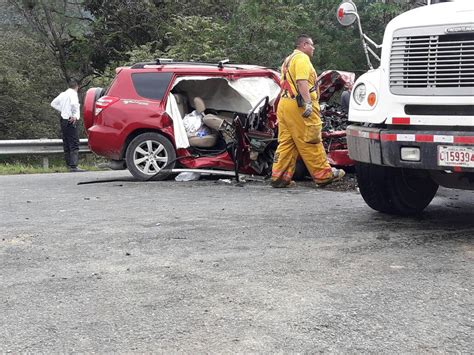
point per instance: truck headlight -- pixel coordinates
(359, 93)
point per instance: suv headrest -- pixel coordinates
(199, 104)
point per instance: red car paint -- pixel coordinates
(115, 116)
(331, 82)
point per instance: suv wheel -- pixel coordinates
(147, 154)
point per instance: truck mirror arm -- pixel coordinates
(364, 38)
(367, 38)
(371, 51)
(346, 15)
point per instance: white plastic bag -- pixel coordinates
(192, 123)
(187, 176)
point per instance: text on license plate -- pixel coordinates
(449, 155)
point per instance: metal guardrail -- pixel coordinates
(37, 146)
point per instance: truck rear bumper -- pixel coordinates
(383, 146)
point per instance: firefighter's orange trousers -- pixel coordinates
(299, 136)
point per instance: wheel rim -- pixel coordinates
(150, 157)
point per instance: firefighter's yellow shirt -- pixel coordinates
(301, 68)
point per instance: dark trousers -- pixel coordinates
(70, 143)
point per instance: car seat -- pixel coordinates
(222, 123)
(182, 103)
(209, 140)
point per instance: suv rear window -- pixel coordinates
(151, 85)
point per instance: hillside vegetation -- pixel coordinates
(43, 43)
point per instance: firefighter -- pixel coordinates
(299, 124)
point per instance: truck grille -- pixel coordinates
(432, 64)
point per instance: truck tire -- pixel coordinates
(147, 154)
(395, 190)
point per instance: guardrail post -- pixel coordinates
(45, 163)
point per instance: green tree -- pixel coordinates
(60, 25)
(27, 85)
(120, 26)
(263, 32)
(196, 38)
(88, 39)
(124, 30)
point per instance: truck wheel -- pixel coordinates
(395, 190)
(147, 154)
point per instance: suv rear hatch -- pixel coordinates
(89, 107)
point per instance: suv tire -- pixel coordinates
(147, 154)
(395, 190)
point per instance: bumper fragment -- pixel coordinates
(335, 144)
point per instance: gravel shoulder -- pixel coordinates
(215, 267)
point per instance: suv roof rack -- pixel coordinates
(164, 61)
(222, 62)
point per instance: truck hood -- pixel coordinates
(438, 14)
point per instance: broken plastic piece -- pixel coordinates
(187, 176)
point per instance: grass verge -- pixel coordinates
(34, 165)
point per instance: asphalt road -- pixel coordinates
(212, 267)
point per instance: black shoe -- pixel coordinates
(278, 184)
(76, 170)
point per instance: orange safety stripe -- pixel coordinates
(280, 171)
(322, 174)
(285, 84)
(284, 69)
(278, 174)
(283, 175)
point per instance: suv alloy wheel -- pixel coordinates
(149, 153)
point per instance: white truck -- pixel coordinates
(412, 118)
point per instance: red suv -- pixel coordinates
(165, 117)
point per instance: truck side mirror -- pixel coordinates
(347, 13)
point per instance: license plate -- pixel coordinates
(449, 155)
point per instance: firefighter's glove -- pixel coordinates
(308, 109)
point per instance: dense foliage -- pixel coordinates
(43, 43)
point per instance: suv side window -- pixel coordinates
(151, 85)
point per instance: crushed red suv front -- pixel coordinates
(161, 118)
(335, 87)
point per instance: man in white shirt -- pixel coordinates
(67, 104)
